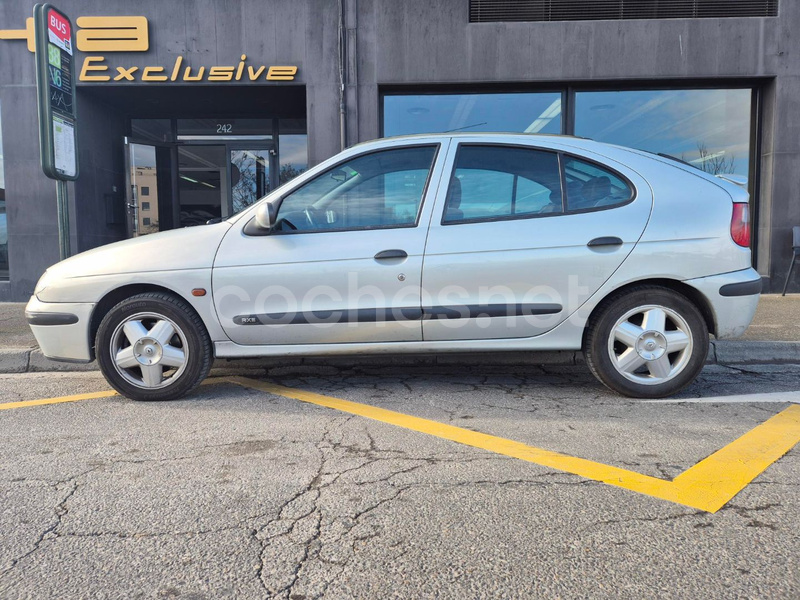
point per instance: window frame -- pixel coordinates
(436, 151)
(562, 174)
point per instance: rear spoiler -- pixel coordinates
(739, 180)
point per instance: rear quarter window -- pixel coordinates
(590, 186)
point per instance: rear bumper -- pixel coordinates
(733, 298)
(61, 329)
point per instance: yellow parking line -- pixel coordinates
(707, 486)
(78, 397)
(58, 400)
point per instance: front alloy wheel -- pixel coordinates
(153, 346)
(649, 342)
(149, 350)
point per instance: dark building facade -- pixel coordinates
(192, 109)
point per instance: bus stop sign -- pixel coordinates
(55, 79)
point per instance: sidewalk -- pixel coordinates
(773, 337)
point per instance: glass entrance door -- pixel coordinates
(186, 184)
(250, 176)
(149, 188)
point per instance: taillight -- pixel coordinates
(740, 224)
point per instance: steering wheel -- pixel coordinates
(288, 224)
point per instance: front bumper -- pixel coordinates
(733, 298)
(61, 329)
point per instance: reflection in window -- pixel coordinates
(249, 177)
(294, 156)
(492, 182)
(438, 113)
(3, 222)
(707, 128)
(376, 190)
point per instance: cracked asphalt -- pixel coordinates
(236, 493)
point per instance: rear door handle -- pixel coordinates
(387, 254)
(604, 242)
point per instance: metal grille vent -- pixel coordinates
(487, 11)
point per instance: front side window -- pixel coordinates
(591, 186)
(377, 190)
(493, 182)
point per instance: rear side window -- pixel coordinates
(590, 186)
(494, 183)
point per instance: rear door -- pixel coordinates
(522, 236)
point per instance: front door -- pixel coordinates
(523, 236)
(344, 260)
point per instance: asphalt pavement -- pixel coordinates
(340, 484)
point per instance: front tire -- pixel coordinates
(650, 342)
(153, 346)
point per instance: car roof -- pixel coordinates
(480, 134)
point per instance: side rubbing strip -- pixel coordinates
(744, 288)
(377, 315)
(472, 311)
(361, 315)
(44, 318)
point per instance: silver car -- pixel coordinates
(433, 243)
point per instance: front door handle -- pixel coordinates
(387, 254)
(604, 242)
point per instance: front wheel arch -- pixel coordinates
(117, 295)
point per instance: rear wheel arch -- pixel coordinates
(117, 295)
(693, 295)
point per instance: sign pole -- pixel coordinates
(58, 119)
(62, 205)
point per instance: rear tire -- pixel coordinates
(153, 346)
(649, 342)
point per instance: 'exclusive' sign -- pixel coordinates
(131, 34)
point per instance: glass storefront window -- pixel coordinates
(293, 149)
(707, 128)
(3, 222)
(534, 112)
(293, 155)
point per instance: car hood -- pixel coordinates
(178, 249)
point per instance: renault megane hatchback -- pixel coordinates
(432, 243)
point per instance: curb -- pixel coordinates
(31, 360)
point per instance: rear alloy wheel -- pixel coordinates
(153, 347)
(649, 343)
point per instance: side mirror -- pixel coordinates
(266, 215)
